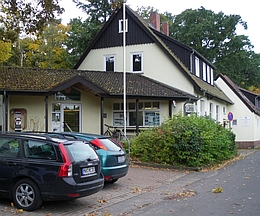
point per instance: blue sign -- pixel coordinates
(230, 116)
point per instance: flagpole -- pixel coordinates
(124, 65)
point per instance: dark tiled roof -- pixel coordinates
(239, 93)
(107, 83)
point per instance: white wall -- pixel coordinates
(243, 131)
(157, 65)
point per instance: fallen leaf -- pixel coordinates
(217, 190)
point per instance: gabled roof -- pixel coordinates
(238, 91)
(157, 37)
(105, 84)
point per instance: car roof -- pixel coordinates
(39, 136)
(89, 135)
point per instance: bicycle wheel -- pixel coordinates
(108, 133)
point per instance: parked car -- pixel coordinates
(114, 162)
(36, 168)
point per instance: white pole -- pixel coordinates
(124, 66)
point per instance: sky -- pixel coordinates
(248, 10)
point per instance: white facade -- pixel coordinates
(245, 123)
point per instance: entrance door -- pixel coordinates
(70, 116)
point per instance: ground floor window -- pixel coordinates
(148, 114)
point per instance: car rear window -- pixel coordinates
(81, 151)
(112, 146)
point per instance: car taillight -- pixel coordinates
(66, 167)
(96, 142)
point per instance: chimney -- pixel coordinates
(165, 28)
(155, 20)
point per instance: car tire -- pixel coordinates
(26, 195)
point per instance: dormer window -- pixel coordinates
(109, 62)
(137, 62)
(121, 26)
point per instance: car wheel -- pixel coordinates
(26, 195)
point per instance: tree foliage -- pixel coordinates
(98, 10)
(28, 16)
(80, 35)
(5, 51)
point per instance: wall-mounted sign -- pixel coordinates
(245, 121)
(230, 116)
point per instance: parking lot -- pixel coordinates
(139, 180)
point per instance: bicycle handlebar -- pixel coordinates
(110, 126)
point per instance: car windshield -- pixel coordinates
(81, 151)
(112, 146)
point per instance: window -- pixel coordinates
(121, 26)
(217, 113)
(208, 74)
(68, 94)
(109, 63)
(197, 67)
(9, 147)
(137, 62)
(204, 71)
(224, 110)
(211, 76)
(202, 107)
(234, 122)
(211, 110)
(38, 150)
(148, 114)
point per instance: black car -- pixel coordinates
(36, 168)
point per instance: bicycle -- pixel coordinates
(114, 132)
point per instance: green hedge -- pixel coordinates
(185, 140)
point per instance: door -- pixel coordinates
(9, 163)
(71, 117)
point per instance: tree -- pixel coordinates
(52, 50)
(28, 16)
(98, 10)
(5, 51)
(80, 35)
(5, 47)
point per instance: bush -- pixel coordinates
(185, 140)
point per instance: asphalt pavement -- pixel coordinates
(154, 191)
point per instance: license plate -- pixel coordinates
(88, 171)
(121, 159)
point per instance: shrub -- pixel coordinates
(185, 140)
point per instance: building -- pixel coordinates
(163, 77)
